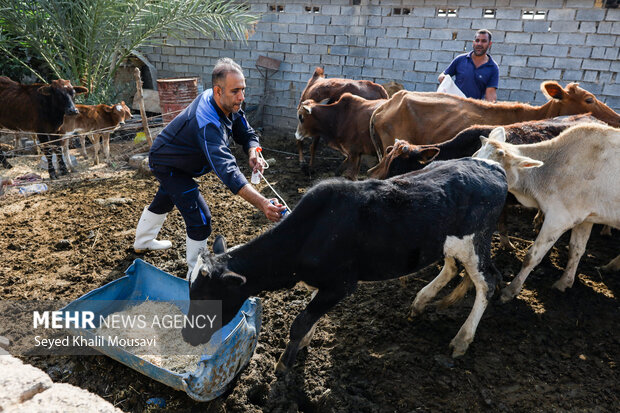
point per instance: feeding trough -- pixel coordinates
(232, 348)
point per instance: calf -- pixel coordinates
(571, 180)
(320, 89)
(344, 126)
(343, 232)
(39, 108)
(95, 118)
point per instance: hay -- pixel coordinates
(173, 353)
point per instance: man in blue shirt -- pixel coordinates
(194, 143)
(476, 73)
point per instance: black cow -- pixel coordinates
(39, 108)
(343, 232)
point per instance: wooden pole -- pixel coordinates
(145, 123)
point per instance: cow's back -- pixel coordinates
(333, 89)
(580, 171)
(20, 105)
(363, 223)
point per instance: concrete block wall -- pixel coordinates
(576, 41)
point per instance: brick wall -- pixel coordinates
(576, 40)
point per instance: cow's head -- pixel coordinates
(211, 280)
(495, 148)
(573, 100)
(307, 124)
(120, 112)
(392, 87)
(61, 93)
(318, 74)
(401, 158)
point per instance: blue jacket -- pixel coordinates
(473, 81)
(196, 142)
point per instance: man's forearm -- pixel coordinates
(251, 195)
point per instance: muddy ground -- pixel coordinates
(544, 351)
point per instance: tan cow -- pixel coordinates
(94, 118)
(323, 90)
(572, 179)
(429, 117)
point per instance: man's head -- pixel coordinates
(228, 85)
(482, 42)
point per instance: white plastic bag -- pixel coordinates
(448, 86)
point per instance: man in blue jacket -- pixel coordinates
(194, 143)
(476, 73)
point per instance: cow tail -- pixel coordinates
(457, 294)
(373, 137)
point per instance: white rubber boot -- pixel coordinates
(192, 249)
(147, 230)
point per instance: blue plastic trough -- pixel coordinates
(216, 370)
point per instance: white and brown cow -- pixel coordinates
(572, 179)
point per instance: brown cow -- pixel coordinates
(428, 118)
(392, 87)
(94, 118)
(320, 89)
(38, 108)
(344, 125)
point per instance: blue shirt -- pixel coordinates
(197, 142)
(473, 81)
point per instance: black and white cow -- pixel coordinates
(343, 232)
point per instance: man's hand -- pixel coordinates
(490, 94)
(255, 162)
(273, 211)
(441, 77)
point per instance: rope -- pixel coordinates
(70, 135)
(294, 154)
(102, 130)
(274, 191)
(266, 166)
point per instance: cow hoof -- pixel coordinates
(53, 176)
(414, 313)
(281, 368)
(560, 286)
(505, 244)
(459, 347)
(506, 295)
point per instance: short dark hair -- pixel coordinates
(222, 68)
(485, 31)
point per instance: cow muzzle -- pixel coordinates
(72, 111)
(299, 136)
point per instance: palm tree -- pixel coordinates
(86, 40)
